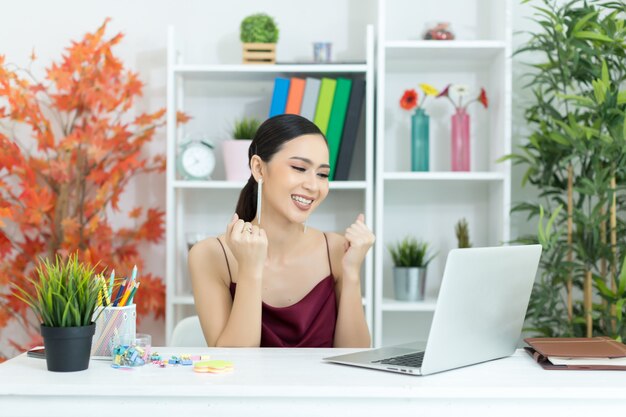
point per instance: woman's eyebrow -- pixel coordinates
(308, 161)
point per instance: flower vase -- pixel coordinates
(460, 141)
(419, 140)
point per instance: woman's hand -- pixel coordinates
(359, 239)
(249, 245)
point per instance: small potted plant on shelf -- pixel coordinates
(64, 296)
(410, 258)
(235, 150)
(462, 234)
(259, 34)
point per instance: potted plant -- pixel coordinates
(462, 234)
(576, 159)
(64, 301)
(235, 151)
(410, 258)
(259, 34)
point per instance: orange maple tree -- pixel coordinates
(68, 148)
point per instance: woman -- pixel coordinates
(270, 280)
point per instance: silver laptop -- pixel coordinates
(479, 314)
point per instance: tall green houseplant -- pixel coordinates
(576, 158)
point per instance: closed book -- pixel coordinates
(309, 99)
(577, 353)
(296, 92)
(336, 121)
(325, 104)
(350, 130)
(279, 97)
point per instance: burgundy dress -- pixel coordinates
(308, 323)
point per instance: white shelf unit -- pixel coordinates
(427, 205)
(215, 95)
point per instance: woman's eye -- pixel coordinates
(323, 175)
(299, 169)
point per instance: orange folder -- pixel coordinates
(294, 99)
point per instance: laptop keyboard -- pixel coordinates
(412, 359)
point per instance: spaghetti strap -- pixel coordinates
(230, 277)
(328, 252)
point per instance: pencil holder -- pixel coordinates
(114, 321)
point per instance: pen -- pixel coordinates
(120, 292)
(132, 294)
(126, 294)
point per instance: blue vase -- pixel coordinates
(419, 140)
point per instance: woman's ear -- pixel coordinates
(257, 167)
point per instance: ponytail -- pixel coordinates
(246, 205)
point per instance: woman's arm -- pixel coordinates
(351, 329)
(235, 323)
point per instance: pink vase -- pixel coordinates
(460, 141)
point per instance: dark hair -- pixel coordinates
(268, 140)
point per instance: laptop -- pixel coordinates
(479, 314)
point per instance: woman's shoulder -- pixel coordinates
(206, 252)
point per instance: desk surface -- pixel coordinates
(288, 381)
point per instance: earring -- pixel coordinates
(259, 199)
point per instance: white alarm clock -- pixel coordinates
(196, 160)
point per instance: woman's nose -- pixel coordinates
(310, 183)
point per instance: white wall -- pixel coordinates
(210, 32)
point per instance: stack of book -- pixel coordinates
(334, 105)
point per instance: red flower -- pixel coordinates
(483, 98)
(444, 93)
(409, 100)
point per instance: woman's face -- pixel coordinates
(296, 181)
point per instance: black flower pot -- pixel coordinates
(67, 348)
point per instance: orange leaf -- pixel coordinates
(182, 118)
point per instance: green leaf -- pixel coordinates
(604, 290)
(605, 75)
(592, 36)
(557, 137)
(583, 101)
(582, 22)
(619, 307)
(598, 91)
(621, 97)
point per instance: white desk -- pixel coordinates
(294, 382)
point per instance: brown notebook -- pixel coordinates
(541, 348)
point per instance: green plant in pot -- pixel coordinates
(410, 258)
(575, 156)
(64, 297)
(259, 34)
(235, 151)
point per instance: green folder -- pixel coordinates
(324, 104)
(337, 119)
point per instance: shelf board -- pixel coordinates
(270, 69)
(238, 185)
(443, 50)
(390, 304)
(443, 176)
(183, 300)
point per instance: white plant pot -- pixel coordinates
(235, 153)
